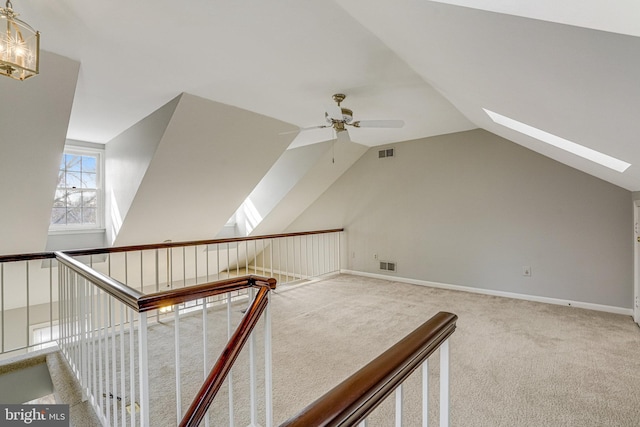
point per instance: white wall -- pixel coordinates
(472, 208)
(127, 158)
(332, 161)
(78, 240)
(209, 159)
(34, 116)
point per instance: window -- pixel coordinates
(556, 141)
(77, 202)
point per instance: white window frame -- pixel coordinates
(100, 217)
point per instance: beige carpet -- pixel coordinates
(513, 363)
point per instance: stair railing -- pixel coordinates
(104, 336)
(29, 282)
(209, 389)
(28, 302)
(351, 401)
(288, 257)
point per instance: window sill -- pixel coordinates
(60, 231)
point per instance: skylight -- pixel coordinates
(556, 141)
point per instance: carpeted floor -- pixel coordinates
(513, 362)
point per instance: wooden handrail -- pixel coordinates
(26, 257)
(97, 251)
(190, 293)
(141, 302)
(352, 400)
(200, 405)
(137, 300)
(118, 290)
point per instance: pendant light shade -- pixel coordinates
(19, 46)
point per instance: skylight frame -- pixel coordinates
(558, 142)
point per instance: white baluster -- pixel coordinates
(143, 363)
(123, 391)
(268, 381)
(205, 347)
(253, 403)
(399, 406)
(132, 366)
(230, 376)
(176, 345)
(425, 393)
(444, 384)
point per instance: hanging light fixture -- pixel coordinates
(19, 46)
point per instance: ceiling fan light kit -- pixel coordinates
(345, 114)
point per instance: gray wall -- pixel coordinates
(472, 209)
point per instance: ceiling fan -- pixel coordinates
(339, 118)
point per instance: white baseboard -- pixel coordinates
(547, 300)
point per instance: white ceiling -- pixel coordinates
(569, 68)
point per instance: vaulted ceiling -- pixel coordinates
(570, 68)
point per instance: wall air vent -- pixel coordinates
(387, 266)
(389, 152)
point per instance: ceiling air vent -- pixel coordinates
(389, 152)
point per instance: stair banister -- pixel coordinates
(78, 330)
(200, 405)
(120, 291)
(352, 400)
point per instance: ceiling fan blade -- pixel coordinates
(379, 124)
(342, 136)
(303, 129)
(334, 112)
(315, 127)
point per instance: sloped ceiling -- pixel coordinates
(333, 161)
(204, 166)
(577, 83)
(569, 68)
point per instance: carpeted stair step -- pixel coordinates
(67, 390)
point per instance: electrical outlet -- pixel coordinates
(375, 256)
(526, 270)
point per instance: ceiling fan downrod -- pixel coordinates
(339, 97)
